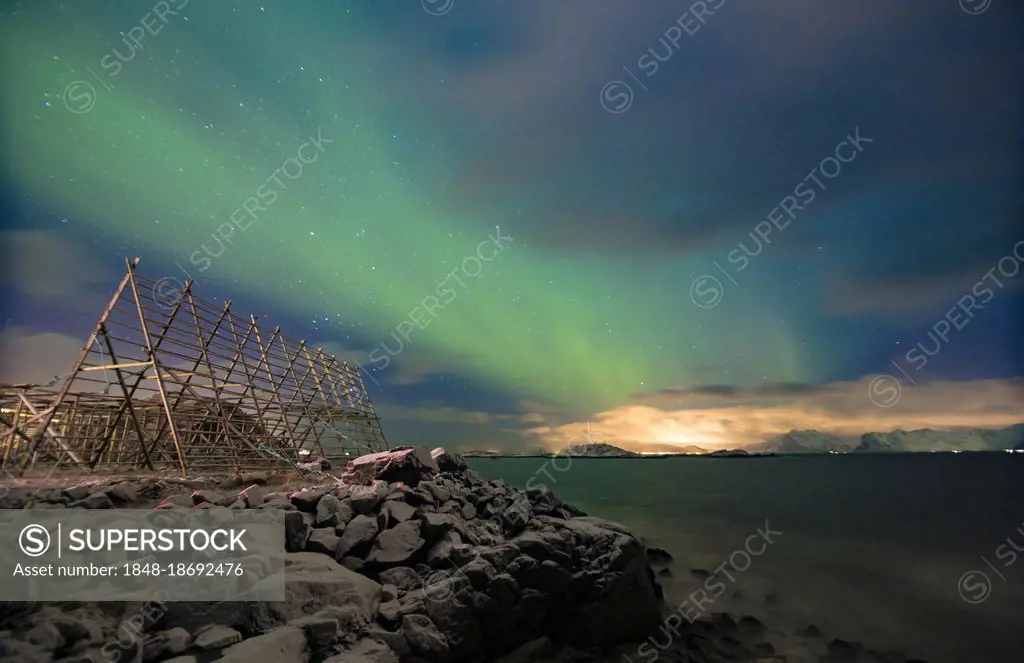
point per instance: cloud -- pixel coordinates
(454, 415)
(930, 279)
(46, 265)
(725, 393)
(743, 417)
(731, 123)
(28, 357)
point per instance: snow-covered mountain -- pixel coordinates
(923, 440)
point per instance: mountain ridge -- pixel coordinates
(897, 441)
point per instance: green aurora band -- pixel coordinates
(203, 113)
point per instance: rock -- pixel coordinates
(314, 582)
(75, 630)
(504, 589)
(328, 629)
(842, 650)
(388, 592)
(46, 636)
(517, 514)
(436, 524)
(614, 596)
(441, 553)
(394, 640)
(166, 643)
(658, 556)
(407, 465)
(390, 613)
(397, 511)
(750, 624)
(216, 636)
(331, 513)
(366, 499)
(479, 572)
(176, 501)
(532, 651)
(448, 461)
(322, 541)
(357, 537)
(212, 497)
(366, 650)
(76, 493)
(123, 493)
(178, 640)
(398, 545)
(252, 496)
(810, 631)
(450, 607)
(316, 465)
(439, 492)
(97, 500)
(423, 636)
(402, 577)
(311, 582)
(296, 532)
(725, 624)
(279, 503)
(353, 563)
(308, 499)
(380, 651)
(282, 645)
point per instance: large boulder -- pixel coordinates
(448, 461)
(281, 645)
(407, 465)
(312, 581)
(611, 598)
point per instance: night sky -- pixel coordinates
(671, 223)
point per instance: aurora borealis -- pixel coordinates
(333, 165)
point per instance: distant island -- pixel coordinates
(808, 442)
(596, 450)
(600, 450)
(898, 441)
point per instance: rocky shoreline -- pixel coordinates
(406, 557)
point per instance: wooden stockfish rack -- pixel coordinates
(169, 381)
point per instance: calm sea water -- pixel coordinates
(873, 548)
